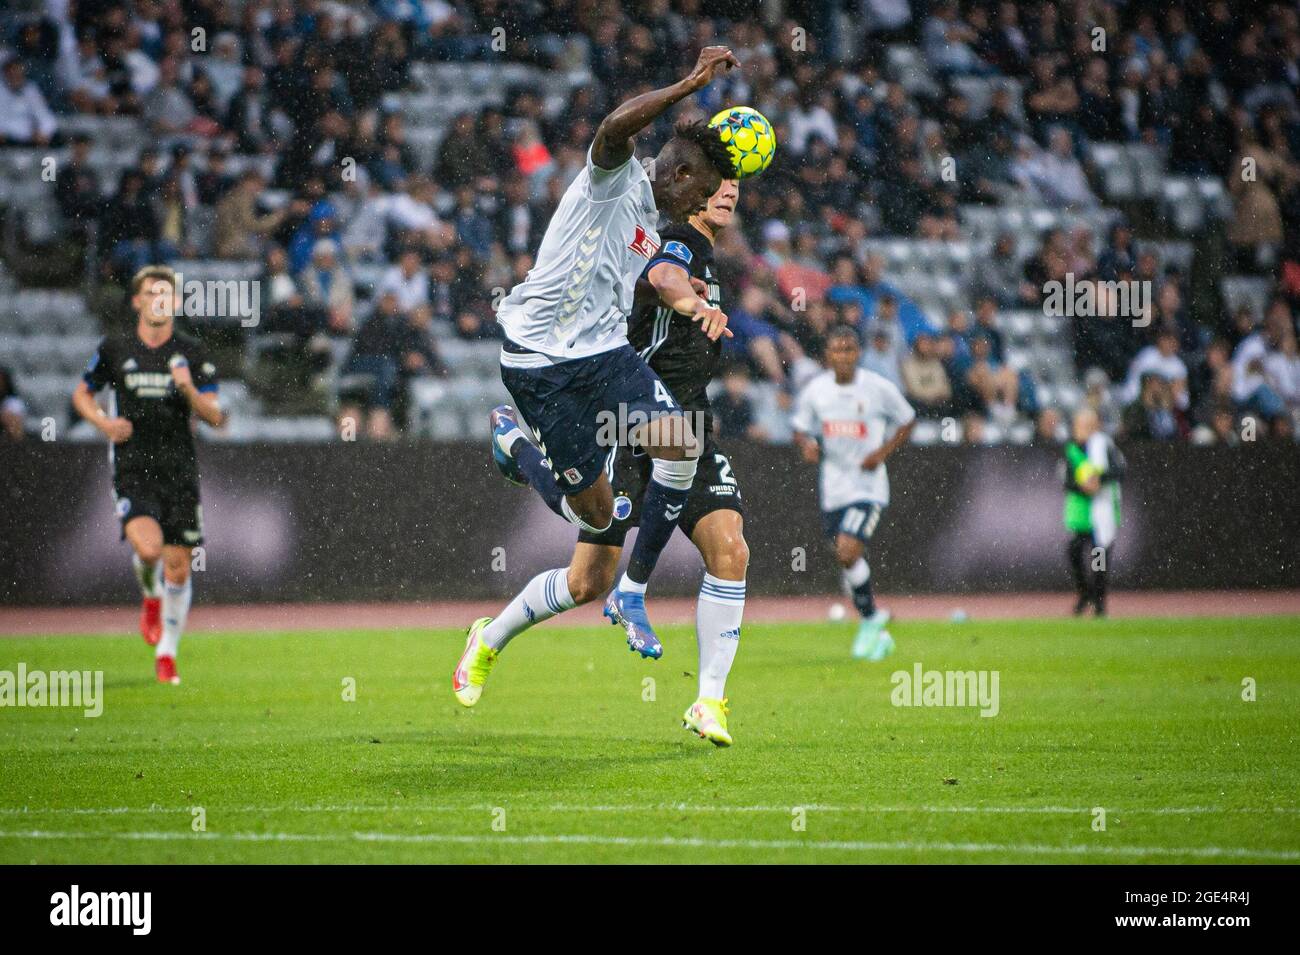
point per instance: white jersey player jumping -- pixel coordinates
(568, 366)
(851, 420)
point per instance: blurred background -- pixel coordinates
(381, 171)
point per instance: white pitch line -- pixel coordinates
(659, 807)
(671, 842)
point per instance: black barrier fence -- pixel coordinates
(434, 521)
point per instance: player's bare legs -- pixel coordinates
(146, 540)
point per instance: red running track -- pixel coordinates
(21, 621)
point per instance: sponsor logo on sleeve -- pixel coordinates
(678, 250)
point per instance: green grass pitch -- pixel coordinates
(570, 756)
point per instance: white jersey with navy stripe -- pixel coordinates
(850, 421)
(576, 299)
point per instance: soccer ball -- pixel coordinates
(749, 137)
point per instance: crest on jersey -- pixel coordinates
(642, 243)
(123, 506)
(678, 250)
(572, 475)
(622, 507)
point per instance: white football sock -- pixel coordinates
(630, 586)
(149, 576)
(717, 631)
(175, 608)
(858, 574)
(546, 595)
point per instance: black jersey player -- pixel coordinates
(156, 379)
(684, 357)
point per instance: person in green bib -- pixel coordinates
(1093, 468)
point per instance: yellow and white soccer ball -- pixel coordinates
(749, 138)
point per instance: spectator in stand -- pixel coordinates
(240, 230)
(998, 274)
(995, 385)
(214, 182)
(1119, 257)
(462, 155)
(130, 226)
(407, 281)
(881, 356)
(1256, 227)
(76, 189)
(1152, 417)
(925, 382)
(13, 410)
(733, 410)
(327, 286)
(1219, 426)
(173, 220)
(1097, 396)
(167, 109)
(1261, 367)
(1160, 359)
(1055, 174)
(1049, 428)
(386, 349)
(25, 118)
(949, 42)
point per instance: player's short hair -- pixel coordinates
(697, 133)
(153, 273)
(842, 330)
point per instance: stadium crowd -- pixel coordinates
(271, 121)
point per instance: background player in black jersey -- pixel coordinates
(158, 377)
(685, 359)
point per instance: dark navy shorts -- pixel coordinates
(857, 520)
(581, 409)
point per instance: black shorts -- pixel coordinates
(175, 507)
(715, 489)
(578, 408)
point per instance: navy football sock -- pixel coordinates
(660, 512)
(858, 577)
(864, 600)
(539, 476)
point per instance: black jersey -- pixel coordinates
(674, 346)
(161, 445)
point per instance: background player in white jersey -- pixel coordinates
(567, 363)
(851, 420)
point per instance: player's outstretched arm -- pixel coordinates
(613, 144)
(808, 447)
(878, 457)
(116, 430)
(679, 292)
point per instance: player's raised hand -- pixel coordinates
(712, 320)
(117, 430)
(712, 59)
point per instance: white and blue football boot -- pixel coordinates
(505, 432)
(628, 611)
